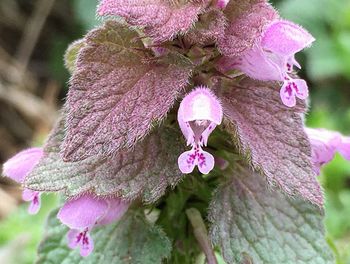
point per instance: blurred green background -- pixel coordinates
(326, 67)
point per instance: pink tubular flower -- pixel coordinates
(325, 144)
(272, 59)
(18, 167)
(82, 214)
(199, 113)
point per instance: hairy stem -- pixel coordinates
(201, 234)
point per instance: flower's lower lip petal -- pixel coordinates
(35, 205)
(72, 238)
(206, 162)
(302, 91)
(187, 162)
(287, 96)
(88, 247)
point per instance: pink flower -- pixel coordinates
(82, 214)
(199, 113)
(18, 167)
(325, 144)
(222, 3)
(272, 59)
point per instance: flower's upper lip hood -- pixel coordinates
(285, 38)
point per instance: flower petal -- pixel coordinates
(72, 237)
(221, 4)
(87, 245)
(259, 65)
(116, 209)
(301, 89)
(34, 198)
(80, 239)
(82, 212)
(288, 94)
(285, 38)
(206, 162)
(187, 161)
(324, 144)
(344, 147)
(201, 104)
(19, 166)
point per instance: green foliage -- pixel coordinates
(20, 232)
(249, 220)
(131, 240)
(327, 65)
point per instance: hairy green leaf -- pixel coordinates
(251, 222)
(145, 172)
(131, 240)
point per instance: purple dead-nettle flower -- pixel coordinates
(18, 167)
(86, 212)
(272, 59)
(325, 144)
(199, 113)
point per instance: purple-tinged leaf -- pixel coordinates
(117, 93)
(252, 222)
(71, 55)
(247, 20)
(161, 19)
(209, 29)
(272, 136)
(144, 172)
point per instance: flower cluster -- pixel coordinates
(272, 58)
(229, 64)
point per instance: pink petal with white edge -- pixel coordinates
(116, 209)
(285, 38)
(35, 200)
(19, 166)
(206, 162)
(82, 212)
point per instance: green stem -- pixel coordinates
(201, 234)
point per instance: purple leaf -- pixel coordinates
(271, 135)
(161, 19)
(208, 29)
(144, 172)
(251, 222)
(117, 93)
(247, 20)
